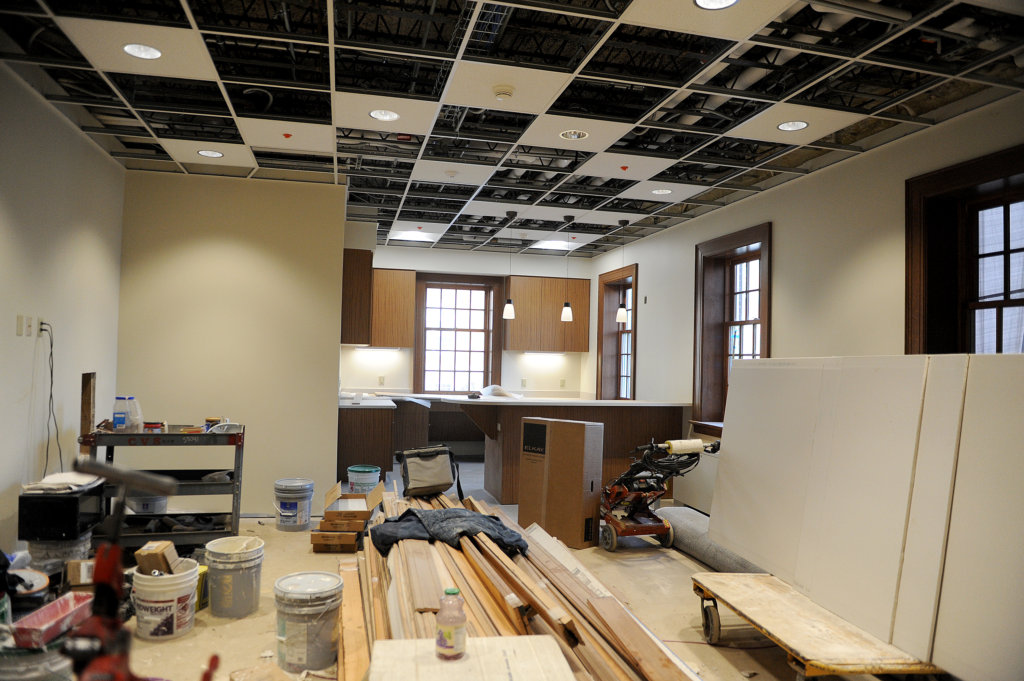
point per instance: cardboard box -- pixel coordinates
(156, 555)
(560, 478)
(335, 542)
(79, 572)
(203, 588)
(342, 525)
(339, 506)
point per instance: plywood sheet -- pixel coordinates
(757, 509)
(865, 443)
(981, 606)
(500, 658)
(917, 603)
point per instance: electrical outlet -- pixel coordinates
(380, 380)
(561, 383)
(39, 326)
(28, 326)
(20, 328)
(522, 382)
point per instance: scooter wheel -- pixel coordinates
(609, 538)
(668, 539)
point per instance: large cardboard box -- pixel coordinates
(560, 469)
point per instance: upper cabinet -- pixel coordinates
(393, 312)
(537, 326)
(378, 306)
(356, 296)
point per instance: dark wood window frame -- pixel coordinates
(710, 299)
(609, 287)
(496, 299)
(937, 241)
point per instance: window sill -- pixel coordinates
(712, 428)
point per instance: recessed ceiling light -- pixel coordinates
(661, 192)
(714, 4)
(792, 126)
(210, 153)
(142, 51)
(574, 134)
(384, 115)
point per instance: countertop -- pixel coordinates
(367, 403)
(426, 399)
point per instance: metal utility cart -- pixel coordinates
(816, 641)
(190, 482)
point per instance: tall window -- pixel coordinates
(456, 346)
(996, 308)
(732, 304)
(616, 341)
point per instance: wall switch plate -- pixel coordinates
(20, 328)
(29, 329)
(380, 380)
(561, 383)
(522, 382)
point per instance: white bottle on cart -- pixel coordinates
(134, 415)
(120, 414)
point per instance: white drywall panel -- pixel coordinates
(859, 490)
(981, 604)
(917, 603)
(696, 488)
(767, 441)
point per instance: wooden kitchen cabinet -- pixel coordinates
(538, 326)
(393, 309)
(356, 296)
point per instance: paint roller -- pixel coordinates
(694, 446)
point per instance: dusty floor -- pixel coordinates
(653, 582)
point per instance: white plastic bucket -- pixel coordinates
(29, 664)
(234, 578)
(50, 556)
(307, 620)
(363, 478)
(165, 605)
(293, 500)
(147, 504)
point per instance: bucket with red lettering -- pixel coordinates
(165, 605)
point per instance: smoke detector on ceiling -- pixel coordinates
(503, 92)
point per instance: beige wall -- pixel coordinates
(60, 234)
(837, 254)
(231, 306)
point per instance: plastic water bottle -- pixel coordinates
(134, 415)
(451, 626)
(120, 414)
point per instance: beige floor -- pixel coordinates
(652, 581)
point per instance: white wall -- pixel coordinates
(838, 255)
(231, 306)
(60, 234)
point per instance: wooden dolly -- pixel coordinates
(816, 641)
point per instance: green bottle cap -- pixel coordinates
(451, 591)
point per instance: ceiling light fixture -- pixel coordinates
(210, 153)
(384, 115)
(509, 311)
(661, 192)
(792, 126)
(140, 51)
(566, 307)
(503, 92)
(621, 314)
(714, 4)
(574, 134)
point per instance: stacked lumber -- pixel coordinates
(545, 592)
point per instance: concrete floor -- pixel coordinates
(653, 582)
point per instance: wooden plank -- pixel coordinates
(635, 644)
(825, 642)
(355, 657)
(504, 658)
(425, 585)
(472, 593)
(87, 420)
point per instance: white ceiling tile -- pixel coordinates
(492, 209)
(288, 136)
(472, 84)
(352, 110)
(419, 226)
(624, 166)
(545, 130)
(187, 151)
(821, 122)
(400, 235)
(102, 43)
(732, 23)
(451, 173)
(554, 213)
(608, 217)
(644, 191)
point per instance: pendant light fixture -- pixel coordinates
(622, 315)
(509, 311)
(567, 308)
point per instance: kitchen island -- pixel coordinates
(627, 424)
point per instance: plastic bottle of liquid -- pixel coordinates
(451, 626)
(134, 415)
(120, 414)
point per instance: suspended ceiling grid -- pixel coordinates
(561, 128)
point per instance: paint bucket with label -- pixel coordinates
(307, 620)
(234, 578)
(293, 500)
(36, 664)
(165, 605)
(363, 478)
